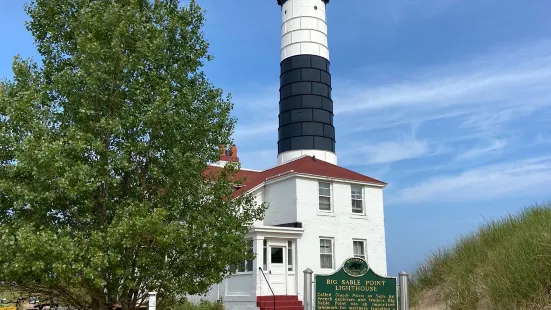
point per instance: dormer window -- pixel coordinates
(324, 196)
(357, 199)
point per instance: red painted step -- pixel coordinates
(282, 302)
(297, 307)
(277, 297)
(270, 304)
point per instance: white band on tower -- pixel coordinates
(304, 29)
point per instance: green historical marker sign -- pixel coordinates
(355, 287)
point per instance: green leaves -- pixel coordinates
(102, 149)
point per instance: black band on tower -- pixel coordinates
(305, 106)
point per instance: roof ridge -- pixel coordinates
(278, 166)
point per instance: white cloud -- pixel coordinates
(395, 151)
(476, 152)
(491, 89)
(490, 120)
(395, 120)
(478, 100)
(385, 152)
(513, 178)
(472, 87)
(246, 131)
(541, 139)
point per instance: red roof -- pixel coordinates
(303, 165)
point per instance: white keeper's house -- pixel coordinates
(319, 214)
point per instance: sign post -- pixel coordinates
(355, 286)
(404, 298)
(152, 301)
(308, 289)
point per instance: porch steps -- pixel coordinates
(282, 302)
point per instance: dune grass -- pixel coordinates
(506, 264)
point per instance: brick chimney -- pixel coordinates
(228, 155)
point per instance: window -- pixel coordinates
(326, 253)
(247, 265)
(249, 262)
(265, 255)
(359, 248)
(357, 199)
(290, 256)
(277, 255)
(324, 196)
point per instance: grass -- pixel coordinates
(506, 264)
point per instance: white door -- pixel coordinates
(278, 269)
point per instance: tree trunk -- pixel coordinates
(98, 304)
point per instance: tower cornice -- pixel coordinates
(281, 2)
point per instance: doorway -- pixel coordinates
(278, 268)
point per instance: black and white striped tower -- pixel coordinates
(305, 106)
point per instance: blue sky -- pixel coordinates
(446, 100)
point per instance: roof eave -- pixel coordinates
(287, 175)
(344, 180)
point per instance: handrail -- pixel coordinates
(260, 268)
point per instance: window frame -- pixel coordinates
(361, 200)
(330, 210)
(332, 243)
(265, 254)
(290, 256)
(243, 268)
(364, 247)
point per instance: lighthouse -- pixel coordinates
(305, 106)
(317, 211)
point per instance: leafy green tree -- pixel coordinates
(103, 148)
